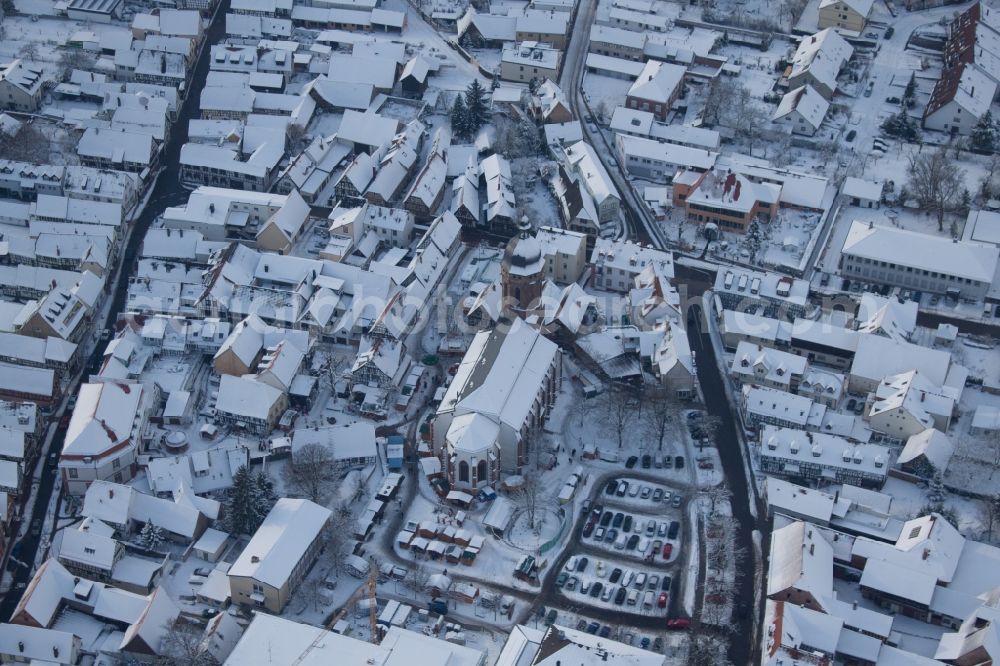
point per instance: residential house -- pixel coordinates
(656, 89)
(850, 16)
(21, 85)
(279, 555)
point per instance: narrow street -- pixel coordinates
(744, 646)
(167, 192)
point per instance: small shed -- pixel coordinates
(176, 411)
(862, 193)
(211, 545)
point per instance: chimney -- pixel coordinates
(254, 559)
(854, 605)
(926, 553)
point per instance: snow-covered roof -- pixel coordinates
(809, 103)
(146, 635)
(821, 55)
(246, 396)
(35, 645)
(665, 153)
(966, 85)
(862, 7)
(585, 162)
(280, 543)
(501, 374)
(88, 549)
(378, 71)
(345, 442)
(865, 190)
(932, 444)
(105, 416)
(802, 559)
(932, 253)
(658, 81)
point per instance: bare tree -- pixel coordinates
(184, 645)
(991, 508)
(936, 181)
(721, 92)
(336, 539)
(661, 405)
(417, 578)
(29, 144)
(747, 116)
(706, 650)
(311, 594)
(527, 497)
(620, 410)
(71, 59)
(710, 427)
(310, 472)
(718, 495)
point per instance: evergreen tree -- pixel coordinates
(247, 501)
(476, 106)
(911, 90)
(151, 536)
(984, 135)
(460, 117)
(901, 126)
(264, 496)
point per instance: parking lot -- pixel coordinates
(629, 546)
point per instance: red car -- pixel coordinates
(667, 549)
(588, 528)
(662, 601)
(678, 623)
(706, 465)
(715, 599)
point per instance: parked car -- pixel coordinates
(653, 582)
(633, 541)
(633, 490)
(658, 644)
(611, 536)
(647, 461)
(561, 579)
(715, 598)
(644, 643)
(605, 631)
(588, 529)
(676, 501)
(627, 524)
(645, 492)
(662, 600)
(630, 463)
(622, 489)
(658, 462)
(665, 583)
(586, 507)
(607, 593)
(673, 530)
(572, 583)
(678, 623)
(668, 548)
(640, 581)
(606, 519)
(585, 587)
(661, 529)
(620, 596)
(619, 518)
(615, 576)
(658, 495)
(595, 589)
(704, 464)
(599, 569)
(611, 487)
(551, 616)
(679, 462)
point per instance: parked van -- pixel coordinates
(633, 597)
(640, 580)
(647, 601)
(438, 606)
